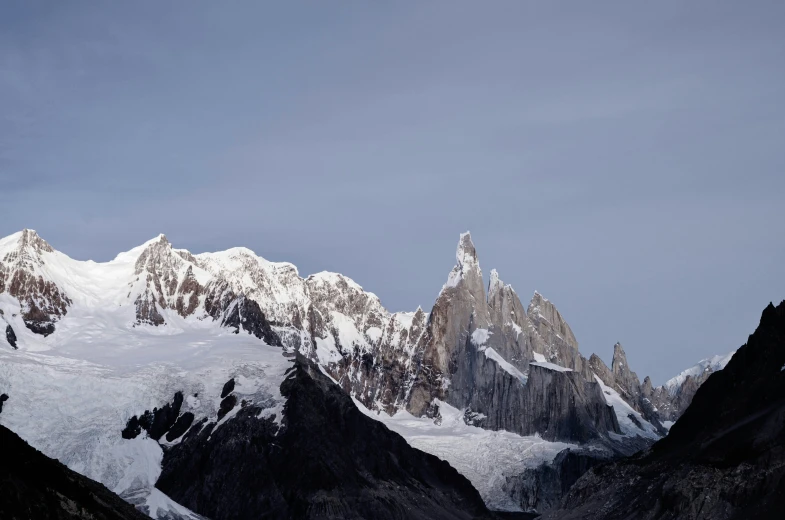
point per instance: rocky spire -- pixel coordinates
(647, 387)
(626, 380)
(460, 308)
(465, 282)
(504, 306)
(549, 322)
(467, 268)
(601, 370)
(466, 254)
(619, 363)
(495, 285)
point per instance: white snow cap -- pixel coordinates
(23, 239)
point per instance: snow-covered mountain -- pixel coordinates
(673, 398)
(125, 336)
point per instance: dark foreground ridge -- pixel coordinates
(328, 461)
(33, 486)
(723, 459)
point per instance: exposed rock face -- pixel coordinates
(347, 465)
(661, 403)
(553, 403)
(388, 361)
(672, 398)
(550, 324)
(42, 302)
(477, 356)
(724, 458)
(35, 486)
(246, 314)
(541, 488)
(228, 388)
(626, 380)
(164, 279)
(10, 336)
(3, 398)
(381, 375)
(155, 423)
(227, 405)
(181, 425)
(506, 365)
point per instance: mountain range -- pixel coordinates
(132, 371)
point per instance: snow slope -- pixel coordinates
(712, 364)
(72, 401)
(623, 412)
(105, 366)
(485, 457)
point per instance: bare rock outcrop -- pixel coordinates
(723, 459)
(10, 336)
(478, 354)
(42, 302)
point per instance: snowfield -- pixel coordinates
(72, 400)
(73, 391)
(485, 457)
(623, 412)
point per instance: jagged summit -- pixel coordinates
(495, 285)
(549, 320)
(619, 357)
(23, 245)
(29, 238)
(466, 253)
(159, 239)
(326, 315)
(467, 267)
(479, 351)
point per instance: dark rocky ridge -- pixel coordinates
(33, 486)
(180, 426)
(327, 460)
(228, 388)
(541, 488)
(723, 459)
(10, 336)
(245, 313)
(155, 423)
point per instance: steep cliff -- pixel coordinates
(481, 355)
(35, 486)
(321, 459)
(724, 458)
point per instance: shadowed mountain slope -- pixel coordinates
(724, 458)
(34, 486)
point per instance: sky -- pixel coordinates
(625, 159)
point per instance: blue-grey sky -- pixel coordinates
(626, 159)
